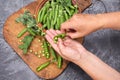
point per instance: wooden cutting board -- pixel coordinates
(10, 31)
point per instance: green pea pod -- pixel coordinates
(62, 19)
(62, 36)
(68, 11)
(45, 18)
(61, 7)
(46, 50)
(42, 14)
(60, 62)
(51, 20)
(66, 15)
(55, 39)
(71, 6)
(72, 12)
(53, 54)
(44, 26)
(45, 9)
(31, 32)
(56, 14)
(39, 16)
(57, 26)
(44, 65)
(53, 9)
(52, 24)
(50, 14)
(53, 12)
(22, 33)
(52, 3)
(48, 23)
(76, 10)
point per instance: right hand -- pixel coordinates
(81, 25)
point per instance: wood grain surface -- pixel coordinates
(11, 29)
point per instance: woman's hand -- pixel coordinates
(69, 49)
(76, 53)
(81, 24)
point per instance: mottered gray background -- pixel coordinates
(103, 43)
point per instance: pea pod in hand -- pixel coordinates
(62, 36)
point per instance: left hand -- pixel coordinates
(69, 49)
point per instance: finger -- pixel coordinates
(53, 32)
(49, 39)
(58, 32)
(61, 45)
(66, 25)
(73, 1)
(67, 41)
(73, 35)
(50, 33)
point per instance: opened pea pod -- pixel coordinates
(62, 36)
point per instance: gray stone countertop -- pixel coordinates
(103, 43)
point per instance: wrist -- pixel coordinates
(81, 57)
(101, 21)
